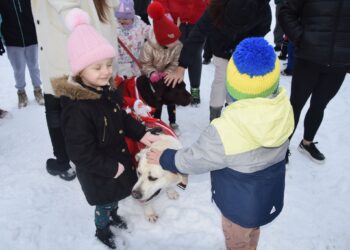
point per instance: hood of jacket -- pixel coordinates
(253, 123)
(66, 86)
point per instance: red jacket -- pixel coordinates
(189, 11)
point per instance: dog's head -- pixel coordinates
(152, 178)
(156, 94)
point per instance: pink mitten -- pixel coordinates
(156, 76)
(121, 169)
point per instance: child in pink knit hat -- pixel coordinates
(95, 126)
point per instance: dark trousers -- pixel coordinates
(291, 59)
(322, 84)
(144, 17)
(208, 53)
(171, 113)
(195, 69)
(102, 214)
(53, 117)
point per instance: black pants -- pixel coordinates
(171, 113)
(53, 117)
(322, 84)
(195, 69)
(144, 17)
(208, 53)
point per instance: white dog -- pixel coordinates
(152, 178)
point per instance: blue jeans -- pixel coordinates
(20, 57)
(102, 213)
(290, 63)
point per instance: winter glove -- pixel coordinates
(2, 49)
(141, 109)
(148, 139)
(156, 76)
(121, 169)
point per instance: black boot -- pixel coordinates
(215, 112)
(105, 235)
(63, 170)
(196, 98)
(117, 221)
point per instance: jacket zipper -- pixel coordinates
(104, 129)
(19, 22)
(340, 5)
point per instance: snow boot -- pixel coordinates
(215, 112)
(62, 169)
(39, 96)
(196, 99)
(3, 113)
(105, 235)
(116, 220)
(22, 98)
(312, 152)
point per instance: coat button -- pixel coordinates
(37, 21)
(123, 150)
(114, 110)
(41, 48)
(121, 131)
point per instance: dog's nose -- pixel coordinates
(136, 194)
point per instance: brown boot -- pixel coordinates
(39, 96)
(22, 98)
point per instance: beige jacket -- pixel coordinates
(155, 57)
(52, 34)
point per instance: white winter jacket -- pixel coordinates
(52, 33)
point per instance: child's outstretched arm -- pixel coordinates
(206, 154)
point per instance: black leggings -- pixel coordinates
(53, 117)
(195, 69)
(322, 84)
(171, 113)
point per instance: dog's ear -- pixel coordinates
(177, 95)
(144, 88)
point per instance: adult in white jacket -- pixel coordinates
(49, 16)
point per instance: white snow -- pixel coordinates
(40, 212)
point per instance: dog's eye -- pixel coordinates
(150, 178)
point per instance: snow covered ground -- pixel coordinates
(40, 212)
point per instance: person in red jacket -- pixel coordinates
(186, 13)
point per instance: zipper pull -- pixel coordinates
(105, 118)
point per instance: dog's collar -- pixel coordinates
(154, 195)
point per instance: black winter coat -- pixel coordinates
(94, 127)
(242, 19)
(141, 6)
(17, 26)
(320, 29)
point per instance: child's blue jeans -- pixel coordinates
(102, 214)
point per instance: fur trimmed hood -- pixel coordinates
(66, 86)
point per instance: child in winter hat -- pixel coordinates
(244, 149)
(125, 13)
(161, 52)
(95, 126)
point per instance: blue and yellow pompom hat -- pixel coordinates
(253, 70)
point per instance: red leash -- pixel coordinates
(129, 53)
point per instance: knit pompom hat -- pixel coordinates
(253, 70)
(125, 10)
(85, 45)
(165, 30)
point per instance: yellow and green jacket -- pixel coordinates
(244, 150)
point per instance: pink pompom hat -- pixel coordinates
(85, 45)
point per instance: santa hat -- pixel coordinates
(125, 10)
(85, 45)
(253, 70)
(165, 30)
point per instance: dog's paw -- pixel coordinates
(152, 218)
(172, 194)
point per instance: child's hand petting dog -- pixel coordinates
(153, 156)
(149, 138)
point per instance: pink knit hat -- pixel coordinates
(85, 45)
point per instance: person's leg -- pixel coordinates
(208, 53)
(59, 166)
(115, 219)
(16, 56)
(218, 90)
(144, 17)
(328, 86)
(31, 55)
(278, 31)
(158, 112)
(239, 238)
(305, 77)
(102, 222)
(17, 59)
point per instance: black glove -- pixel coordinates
(2, 49)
